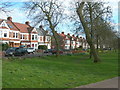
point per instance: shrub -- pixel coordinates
(43, 47)
(4, 46)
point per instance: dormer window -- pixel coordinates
(10, 26)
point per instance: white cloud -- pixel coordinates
(3, 15)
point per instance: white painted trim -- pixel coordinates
(15, 41)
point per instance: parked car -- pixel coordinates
(30, 50)
(54, 51)
(21, 52)
(48, 51)
(11, 51)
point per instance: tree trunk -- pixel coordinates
(97, 42)
(88, 36)
(56, 42)
(55, 37)
(90, 54)
(70, 42)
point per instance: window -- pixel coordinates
(20, 36)
(40, 38)
(16, 35)
(32, 45)
(67, 42)
(5, 34)
(35, 45)
(13, 35)
(32, 37)
(35, 37)
(48, 38)
(10, 34)
(23, 37)
(9, 26)
(65, 47)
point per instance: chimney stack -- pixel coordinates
(9, 18)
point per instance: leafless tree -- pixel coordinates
(87, 13)
(49, 12)
(4, 6)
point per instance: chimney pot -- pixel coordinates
(68, 34)
(27, 23)
(40, 26)
(62, 32)
(9, 18)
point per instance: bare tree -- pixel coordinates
(4, 6)
(88, 12)
(49, 12)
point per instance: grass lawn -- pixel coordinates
(62, 72)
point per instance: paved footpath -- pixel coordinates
(110, 83)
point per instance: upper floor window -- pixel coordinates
(34, 37)
(22, 36)
(48, 38)
(5, 34)
(16, 35)
(13, 35)
(10, 26)
(41, 39)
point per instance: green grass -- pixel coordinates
(62, 72)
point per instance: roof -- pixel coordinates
(62, 35)
(12, 26)
(23, 28)
(42, 32)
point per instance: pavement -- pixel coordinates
(110, 83)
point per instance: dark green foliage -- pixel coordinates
(43, 47)
(4, 46)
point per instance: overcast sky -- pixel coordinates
(19, 15)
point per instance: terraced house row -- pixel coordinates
(16, 34)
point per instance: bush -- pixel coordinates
(4, 46)
(43, 47)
